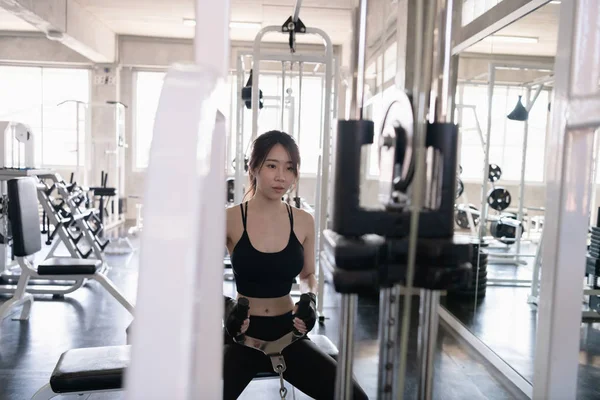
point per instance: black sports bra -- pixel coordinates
(266, 275)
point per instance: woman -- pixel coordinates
(272, 243)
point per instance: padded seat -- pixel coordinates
(321, 341)
(90, 369)
(68, 266)
(102, 368)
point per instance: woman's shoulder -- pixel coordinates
(303, 216)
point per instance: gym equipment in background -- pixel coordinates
(411, 242)
(247, 94)
(478, 284)
(25, 223)
(324, 59)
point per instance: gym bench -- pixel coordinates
(101, 369)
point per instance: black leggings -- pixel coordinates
(308, 368)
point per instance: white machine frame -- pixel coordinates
(20, 140)
(322, 196)
(509, 258)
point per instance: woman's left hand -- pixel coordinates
(298, 323)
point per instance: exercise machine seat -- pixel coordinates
(102, 368)
(321, 341)
(90, 369)
(68, 266)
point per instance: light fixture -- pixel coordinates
(233, 24)
(520, 113)
(189, 22)
(245, 25)
(512, 39)
(555, 2)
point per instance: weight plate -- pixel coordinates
(396, 143)
(460, 187)
(494, 173)
(499, 198)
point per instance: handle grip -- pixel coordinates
(303, 310)
(241, 314)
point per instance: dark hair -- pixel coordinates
(261, 147)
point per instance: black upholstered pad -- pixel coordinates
(103, 191)
(24, 216)
(90, 369)
(321, 341)
(68, 266)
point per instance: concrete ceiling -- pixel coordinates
(541, 24)
(165, 18)
(9, 22)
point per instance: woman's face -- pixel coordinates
(276, 175)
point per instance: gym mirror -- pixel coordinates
(503, 97)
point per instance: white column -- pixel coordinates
(575, 115)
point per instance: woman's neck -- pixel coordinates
(263, 203)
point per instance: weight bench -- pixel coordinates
(24, 219)
(101, 369)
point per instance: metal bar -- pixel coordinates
(503, 14)
(583, 112)
(568, 179)
(537, 264)
(424, 63)
(422, 344)
(297, 10)
(300, 73)
(283, 92)
(523, 165)
(239, 136)
(294, 57)
(343, 381)
(385, 341)
(432, 342)
(484, 185)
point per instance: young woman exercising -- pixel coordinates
(272, 243)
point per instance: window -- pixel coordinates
(32, 95)
(147, 89)
(147, 93)
(506, 142)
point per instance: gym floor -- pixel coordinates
(89, 317)
(506, 323)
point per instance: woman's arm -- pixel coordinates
(307, 278)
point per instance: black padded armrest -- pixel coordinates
(90, 369)
(104, 191)
(68, 266)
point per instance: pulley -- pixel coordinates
(396, 143)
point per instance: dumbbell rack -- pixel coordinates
(70, 200)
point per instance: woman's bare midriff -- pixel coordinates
(271, 307)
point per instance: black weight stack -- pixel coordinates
(478, 282)
(592, 264)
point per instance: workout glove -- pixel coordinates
(235, 314)
(307, 311)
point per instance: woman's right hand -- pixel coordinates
(245, 326)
